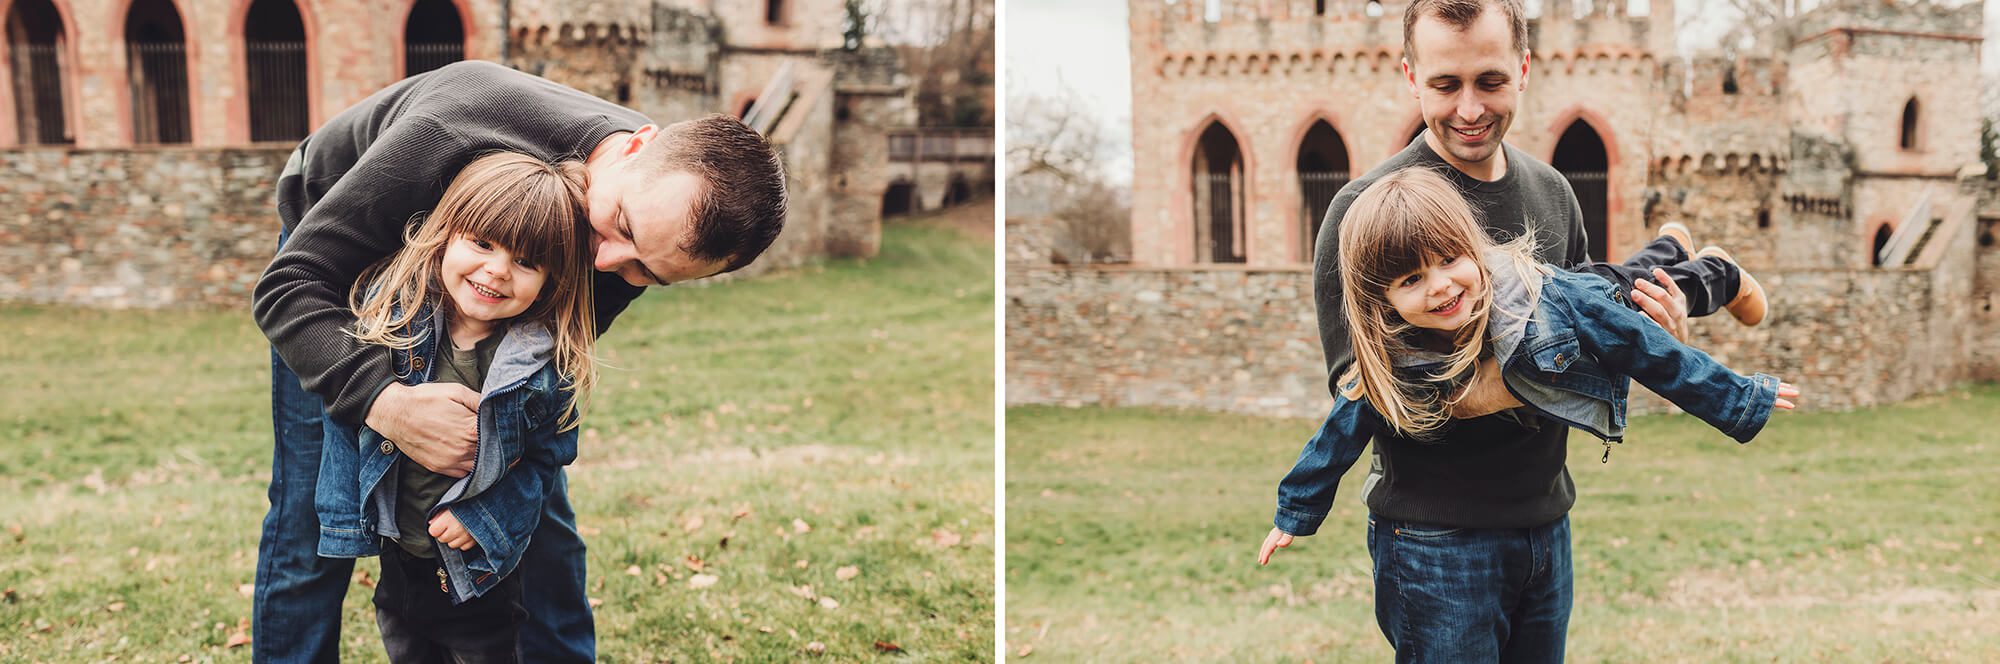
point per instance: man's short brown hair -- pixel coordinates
(741, 207)
(1459, 14)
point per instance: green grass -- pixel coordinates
(1863, 536)
(853, 398)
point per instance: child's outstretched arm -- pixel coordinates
(1306, 494)
(1628, 343)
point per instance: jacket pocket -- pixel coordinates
(1558, 356)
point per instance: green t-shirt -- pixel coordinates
(418, 488)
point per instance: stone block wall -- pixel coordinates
(137, 228)
(1239, 340)
(1246, 340)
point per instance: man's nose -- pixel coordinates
(1469, 108)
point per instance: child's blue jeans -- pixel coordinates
(1472, 594)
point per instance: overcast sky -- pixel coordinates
(1083, 45)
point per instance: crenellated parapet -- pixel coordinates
(1724, 164)
(581, 35)
(1600, 60)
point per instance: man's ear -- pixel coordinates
(1410, 78)
(639, 139)
(1526, 57)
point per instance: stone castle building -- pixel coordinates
(139, 139)
(1839, 164)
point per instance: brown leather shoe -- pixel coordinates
(1749, 306)
(1678, 232)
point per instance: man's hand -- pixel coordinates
(446, 529)
(1485, 395)
(1278, 539)
(1664, 303)
(436, 424)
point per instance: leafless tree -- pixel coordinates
(1054, 156)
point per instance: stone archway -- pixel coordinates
(38, 51)
(1322, 170)
(1581, 158)
(274, 49)
(1219, 194)
(156, 69)
(433, 36)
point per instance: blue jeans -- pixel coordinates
(1472, 594)
(295, 614)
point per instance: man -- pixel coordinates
(1470, 535)
(666, 205)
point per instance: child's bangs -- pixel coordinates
(1412, 234)
(530, 216)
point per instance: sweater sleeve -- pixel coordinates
(301, 301)
(1327, 297)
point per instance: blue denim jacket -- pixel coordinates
(1570, 361)
(514, 468)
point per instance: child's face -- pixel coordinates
(1439, 296)
(488, 282)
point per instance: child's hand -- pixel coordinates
(1278, 539)
(1787, 391)
(450, 532)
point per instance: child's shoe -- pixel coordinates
(1678, 232)
(1749, 305)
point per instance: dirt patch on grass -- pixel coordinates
(1738, 590)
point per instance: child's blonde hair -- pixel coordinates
(535, 210)
(1402, 223)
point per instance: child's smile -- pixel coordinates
(1435, 297)
(487, 282)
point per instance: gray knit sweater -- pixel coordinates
(370, 171)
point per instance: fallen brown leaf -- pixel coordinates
(847, 572)
(800, 526)
(693, 562)
(944, 538)
(815, 648)
(692, 524)
(886, 646)
(115, 607)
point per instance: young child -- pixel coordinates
(493, 291)
(1428, 295)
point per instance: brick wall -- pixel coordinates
(1246, 340)
(137, 228)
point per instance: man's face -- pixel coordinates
(1467, 84)
(639, 224)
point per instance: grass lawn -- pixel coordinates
(817, 445)
(1865, 536)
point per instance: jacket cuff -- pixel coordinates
(1762, 396)
(494, 544)
(352, 408)
(1296, 523)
